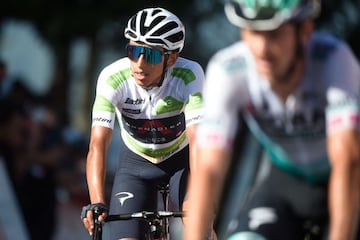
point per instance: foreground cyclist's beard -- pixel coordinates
(290, 72)
(295, 62)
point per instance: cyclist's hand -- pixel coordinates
(87, 219)
(91, 211)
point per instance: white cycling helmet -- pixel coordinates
(264, 15)
(156, 27)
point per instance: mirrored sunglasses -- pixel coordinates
(151, 55)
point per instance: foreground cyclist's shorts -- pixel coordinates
(135, 189)
(280, 207)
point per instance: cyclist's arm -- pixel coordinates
(194, 108)
(95, 169)
(208, 171)
(343, 130)
(344, 190)
(96, 162)
(103, 120)
(190, 132)
(204, 191)
(214, 137)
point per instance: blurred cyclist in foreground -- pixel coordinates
(298, 92)
(157, 99)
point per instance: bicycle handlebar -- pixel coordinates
(145, 215)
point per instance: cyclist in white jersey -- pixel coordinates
(157, 98)
(298, 92)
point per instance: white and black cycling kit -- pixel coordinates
(292, 133)
(153, 123)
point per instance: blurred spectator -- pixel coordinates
(45, 160)
(44, 153)
(12, 128)
(31, 146)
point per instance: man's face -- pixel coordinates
(274, 51)
(145, 74)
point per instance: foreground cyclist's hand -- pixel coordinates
(90, 212)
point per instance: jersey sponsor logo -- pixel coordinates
(123, 196)
(137, 101)
(101, 119)
(168, 104)
(131, 111)
(195, 102)
(295, 126)
(158, 131)
(130, 101)
(344, 114)
(343, 120)
(155, 126)
(195, 118)
(335, 122)
(294, 121)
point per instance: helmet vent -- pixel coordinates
(176, 37)
(156, 11)
(155, 41)
(153, 24)
(166, 28)
(133, 23)
(143, 29)
(266, 13)
(156, 21)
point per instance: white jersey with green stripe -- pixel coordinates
(293, 132)
(152, 122)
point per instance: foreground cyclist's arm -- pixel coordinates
(214, 138)
(344, 190)
(190, 132)
(95, 168)
(204, 192)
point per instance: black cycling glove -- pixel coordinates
(96, 208)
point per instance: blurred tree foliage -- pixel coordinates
(342, 18)
(60, 22)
